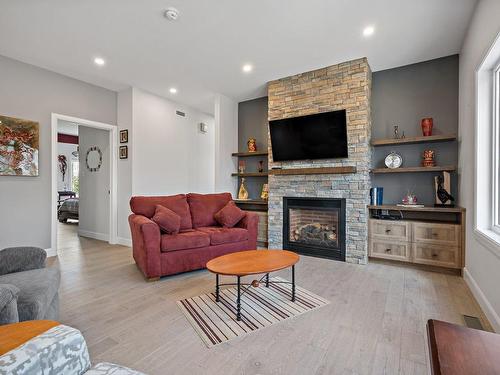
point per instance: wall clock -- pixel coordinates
(393, 160)
(93, 159)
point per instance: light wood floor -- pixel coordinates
(375, 323)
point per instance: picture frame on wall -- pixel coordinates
(124, 136)
(123, 152)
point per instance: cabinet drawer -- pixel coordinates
(439, 234)
(390, 230)
(436, 255)
(389, 250)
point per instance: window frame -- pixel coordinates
(495, 173)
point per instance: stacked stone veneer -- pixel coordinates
(343, 86)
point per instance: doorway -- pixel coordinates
(83, 181)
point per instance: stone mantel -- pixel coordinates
(342, 86)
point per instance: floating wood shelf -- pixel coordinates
(448, 168)
(251, 201)
(321, 170)
(250, 174)
(246, 154)
(390, 207)
(413, 140)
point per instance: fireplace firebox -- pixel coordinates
(315, 226)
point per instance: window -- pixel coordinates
(487, 171)
(75, 176)
(496, 150)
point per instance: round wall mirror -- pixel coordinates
(93, 159)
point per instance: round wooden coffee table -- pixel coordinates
(252, 262)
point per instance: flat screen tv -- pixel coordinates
(318, 136)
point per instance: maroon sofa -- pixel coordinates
(200, 238)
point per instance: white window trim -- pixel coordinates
(486, 138)
(496, 147)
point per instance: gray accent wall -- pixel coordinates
(33, 93)
(252, 122)
(403, 96)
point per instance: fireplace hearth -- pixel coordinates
(315, 226)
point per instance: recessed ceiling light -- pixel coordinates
(247, 68)
(173, 90)
(368, 31)
(99, 61)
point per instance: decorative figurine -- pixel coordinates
(428, 160)
(427, 124)
(261, 166)
(403, 135)
(242, 192)
(252, 145)
(442, 187)
(265, 192)
(241, 166)
(396, 132)
(410, 198)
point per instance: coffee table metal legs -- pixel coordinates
(217, 287)
(238, 299)
(238, 304)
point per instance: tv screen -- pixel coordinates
(318, 136)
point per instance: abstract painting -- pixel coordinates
(19, 145)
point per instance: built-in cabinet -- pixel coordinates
(431, 236)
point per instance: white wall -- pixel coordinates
(170, 154)
(226, 142)
(33, 93)
(125, 121)
(482, 261)
(65, 149)
(94, 186)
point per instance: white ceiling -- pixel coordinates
(202, 53)
(66, 127)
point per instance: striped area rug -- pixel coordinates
(260, 307)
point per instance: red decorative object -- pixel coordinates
(427, 124)
(428, 160)
(67, 138)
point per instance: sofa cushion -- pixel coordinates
(168, 221)
(37, 289)
(146, 206)
(219, 236)
(189, 239)
(229, 215)
(204, 206)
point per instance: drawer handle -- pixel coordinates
(387, 250)
(435, 234)
(387, 230)
(434, 255)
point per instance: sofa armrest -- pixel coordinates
(251, 223)
(8, 304)
(18, 259)
(146, 238)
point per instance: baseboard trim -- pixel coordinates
(124, 241)
(488, 310)
(94, 235)
(50, 252)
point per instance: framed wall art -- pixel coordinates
(123, 152)
(19, 147)
(124, 136)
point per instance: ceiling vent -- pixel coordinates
(171, 14)
(179, 113)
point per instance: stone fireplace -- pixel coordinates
(343, 86)
(315, 226)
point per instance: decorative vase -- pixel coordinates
(241, 166)
(261, 166)
(428, 158)
(265, 192)
(242, 192)
(427, 124)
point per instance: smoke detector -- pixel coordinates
(171, 14)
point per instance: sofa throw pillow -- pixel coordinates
(229, 215)
(168, 221)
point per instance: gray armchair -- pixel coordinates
(28, 290)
